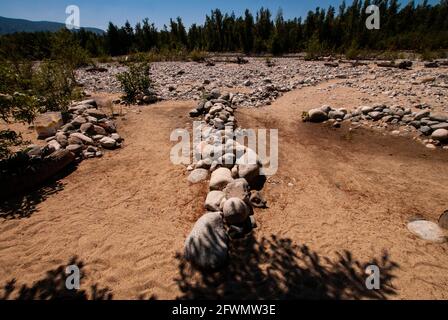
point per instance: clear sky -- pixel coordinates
(97, 13)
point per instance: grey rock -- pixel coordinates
(116, 137)
(422, 114)
(440, 135)
(198, 175)
(238, 189)
(220, 178)
(336, 115)
(440, 126)
(207, 245)
(33, 150)
(87, 128)
(443, 220)
(235, 211)
(425, 130)
(214, 201)
(317, 115)
(99, 130)
(75, 148)
(108, 143)
(366, 109)
(85, 139)
(98, 114)
(78, 121)
(441, 117)
(54, 145)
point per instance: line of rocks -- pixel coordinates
(234, 168)
(87, 130)
(432, 127)
(259, 83)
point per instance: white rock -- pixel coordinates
(427, 230)
(221, 177)
(198, 175)
(214, 201)
(108, 143)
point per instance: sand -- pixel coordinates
(339, 202)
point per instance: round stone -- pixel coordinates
(427, 230)
(443, 220)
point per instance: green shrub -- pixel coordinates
(8, 139)
(314, 48)
(54, 86)
(352, 53)
(135, 82)
(197, 56)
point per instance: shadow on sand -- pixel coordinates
(24, 205)
(53, 287)
(276, 269)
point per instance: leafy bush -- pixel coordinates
(54, 86)
(352, 53)
(8, 138)
(314, 48)
(135, 82)
(26, 90)
(197, 56)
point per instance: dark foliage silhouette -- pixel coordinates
(53, 287)
(276, 268)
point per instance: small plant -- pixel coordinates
(305, 116)
(8, 139)
(197, 56)
(269, 62)
(136, 83)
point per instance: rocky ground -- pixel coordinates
(257, 83)
(345, 196)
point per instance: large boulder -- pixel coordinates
(214, 201)
(47, 124)
(221, 177)
(207, 245)
(440, 135)
(317, 115)
(235, 211)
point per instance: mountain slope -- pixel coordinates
(9, 25)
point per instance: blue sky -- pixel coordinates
(99, 13)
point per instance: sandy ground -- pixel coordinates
(339, 202)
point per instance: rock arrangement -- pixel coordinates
(432, 127)
(257, 82)
(87, 130)
(234, 168)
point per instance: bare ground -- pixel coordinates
(339, 202)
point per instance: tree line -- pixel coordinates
(414, 26)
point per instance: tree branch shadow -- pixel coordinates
(53, 287)
(275, 268)
(23, 205)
